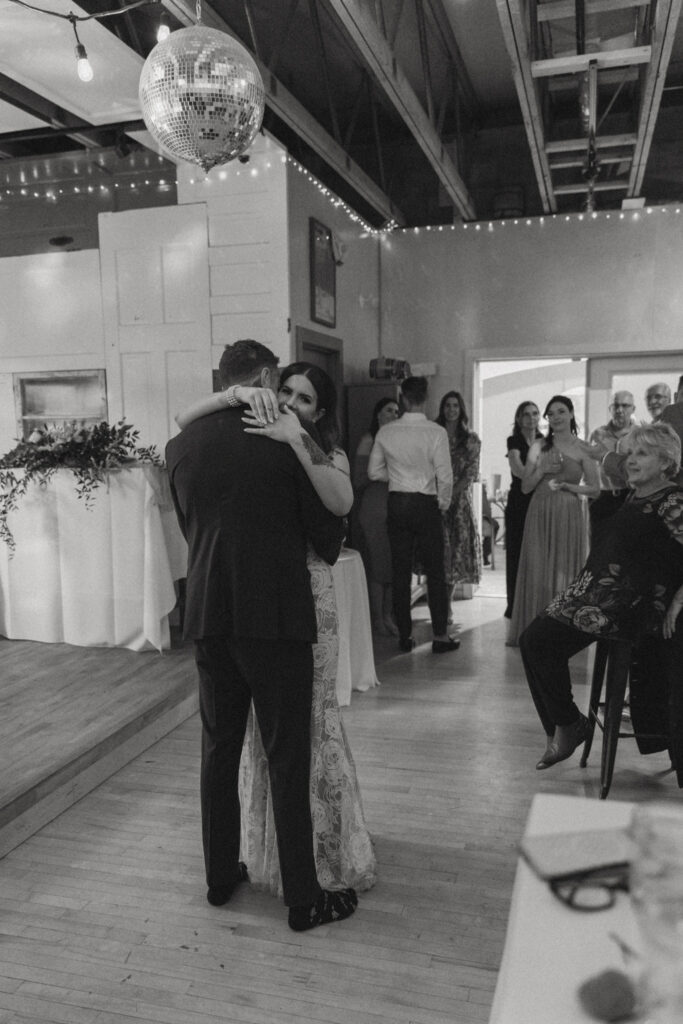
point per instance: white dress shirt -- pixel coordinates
(413, 454)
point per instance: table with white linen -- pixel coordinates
(550, 949)
(99, 576)
(356, 669)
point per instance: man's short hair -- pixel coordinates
(242, 361)
(658, 387)
(414, 390)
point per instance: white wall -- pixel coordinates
(248, 246)
(50, 319)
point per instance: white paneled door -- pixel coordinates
(155, 292)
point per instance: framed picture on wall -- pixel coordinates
(322, 274)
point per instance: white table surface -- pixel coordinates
(93, 577)
(356, 659)
(551, 949)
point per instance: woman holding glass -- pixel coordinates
(558, 472)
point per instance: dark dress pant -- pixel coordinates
(415, 527)
(546, 646)
(278, 676)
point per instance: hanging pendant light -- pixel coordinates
(202, 96)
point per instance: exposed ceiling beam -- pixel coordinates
(45, 110)
(664, 30)
(559, 9)
(380, 59)
(599, 186)
(576, 63)
(601, 142)
(288, 108)
(514, 26)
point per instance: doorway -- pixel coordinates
(327, 352)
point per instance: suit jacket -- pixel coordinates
(247, 510)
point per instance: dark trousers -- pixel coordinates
(546, 647)
(415, 527)
(278, 677)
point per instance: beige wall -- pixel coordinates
(357, 280)
(550, 287)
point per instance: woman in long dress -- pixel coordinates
(524, 432)
(461, 535)
(371, 497)
(559, 471)
(343, 848)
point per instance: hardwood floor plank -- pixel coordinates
(103, 916)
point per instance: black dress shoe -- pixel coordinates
(406, 643)
(442, 646)
(217, 895)
(560, 750)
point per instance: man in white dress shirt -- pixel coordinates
(413, 454)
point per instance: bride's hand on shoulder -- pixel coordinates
(285, 428)
(261, 401)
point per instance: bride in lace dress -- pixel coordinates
(344, 853)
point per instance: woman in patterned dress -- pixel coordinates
(461, 536)
(344, 852)
(631, 588)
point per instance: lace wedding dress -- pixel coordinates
(344, 854)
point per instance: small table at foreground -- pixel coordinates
(550, 949)
(93, 577)
(356, 659)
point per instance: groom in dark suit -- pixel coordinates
(247, 511)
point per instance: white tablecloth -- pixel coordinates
(551, 949)
(93, 577)
(356, 659)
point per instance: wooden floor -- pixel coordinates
(103, 916)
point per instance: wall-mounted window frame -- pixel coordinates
(58, 397)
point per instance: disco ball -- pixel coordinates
(202, 96)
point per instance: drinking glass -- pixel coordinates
(657, 896)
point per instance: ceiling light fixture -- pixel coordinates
(83, 65)
(164, 30)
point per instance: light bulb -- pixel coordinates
(164, 30)
(83, 66)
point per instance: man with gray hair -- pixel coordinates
(657, 397)
(606, 439)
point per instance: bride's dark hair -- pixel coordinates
(326, 396)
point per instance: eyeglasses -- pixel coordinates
(621, 405)
(591, 891)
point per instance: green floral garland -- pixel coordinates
(91, 453)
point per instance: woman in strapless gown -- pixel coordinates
(560, 472)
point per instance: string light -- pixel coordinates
(164, 30)
(83, 65)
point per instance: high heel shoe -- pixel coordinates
(571, 737)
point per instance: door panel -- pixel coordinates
(155, 287)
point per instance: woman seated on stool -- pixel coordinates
(630, 588)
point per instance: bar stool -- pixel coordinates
(615, 657)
